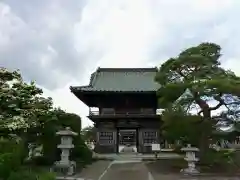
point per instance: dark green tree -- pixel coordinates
(197, 71)
(32, 117)
(180, 126)
(50, 141)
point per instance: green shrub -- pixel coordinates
(30, 174)
(8, 163)
(218, 161)
(11, 145)
(236, 158)
(213, 157)
(22, 175)
(47, 176)
(11, 156)
(51, 153)
(81, 152)
(49, 140)
(39, 161)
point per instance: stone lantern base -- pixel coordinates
(65, 168)
(190, 171)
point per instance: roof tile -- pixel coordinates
(121, 79)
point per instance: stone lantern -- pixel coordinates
(191, 159)
(66, 145)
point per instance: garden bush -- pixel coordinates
(50, 141)
(23, 174)
(81, 153)
(51, 153)
(219, 162)
(47, 176)
(11, 156)
(29, 174)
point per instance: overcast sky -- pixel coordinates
(58, 43)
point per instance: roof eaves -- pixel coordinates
(80, 88)
(93, 78)
(90, 88)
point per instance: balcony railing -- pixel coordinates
(105, 112)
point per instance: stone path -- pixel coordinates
(95, 170)
(133, 170)
(127, 171)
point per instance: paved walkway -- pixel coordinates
(133, 170)
(95, 170)
(127, 171)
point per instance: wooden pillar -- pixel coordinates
(140, 140)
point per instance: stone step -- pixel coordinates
(121, 157)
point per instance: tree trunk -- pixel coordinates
(204, 137)
(203, 146)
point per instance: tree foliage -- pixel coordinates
(179, 126)
(197, 70)
(32, 118)
(21, 104)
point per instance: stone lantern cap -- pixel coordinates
(190, 149)
(67, 132)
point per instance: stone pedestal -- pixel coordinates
(65, 165)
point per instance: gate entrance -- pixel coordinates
(127, 140)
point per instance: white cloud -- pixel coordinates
(57, 42)
(121, 30)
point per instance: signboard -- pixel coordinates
(156, 147)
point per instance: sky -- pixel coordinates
(59, 43)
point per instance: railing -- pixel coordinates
(128, 112)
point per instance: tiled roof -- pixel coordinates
(121, 79)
